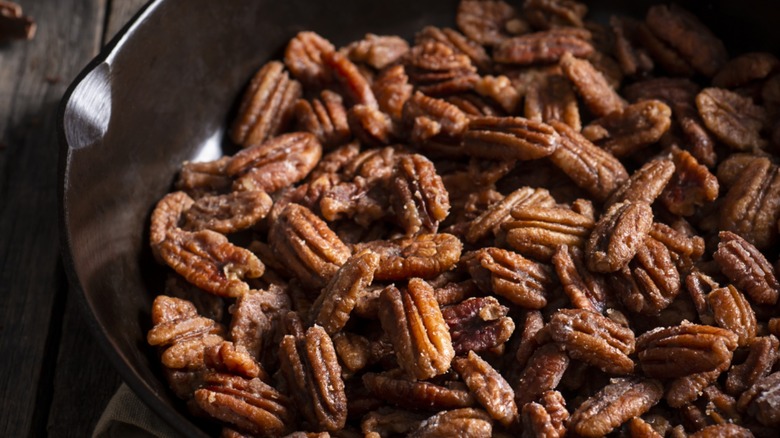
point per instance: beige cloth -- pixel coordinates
(126, 416)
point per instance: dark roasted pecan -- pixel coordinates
(542, 373)
(590, 167)
(324, 117)
(661, 53)
(392, 89)
(594, 339)
(731, 310)
(538, 231)
(466, 423)
(256, 317)
(227, 213)
(429, 117)
(484, 21)
(377, 51)
(510, 275)
(625, 131)
(490, 388)
(751, 207)
(531, 337)
(508, 138)
(618, 235)
(691, 186)
(585, 289)
(351, 81)
(747, 268)
(311, 369)
(388, 422)
(685, 349)
(731, 169)
(746, 68)
(762, 356)
(615, 404)
(303, 57)
(478, 324)
(733, 118)
(435, 69)
(762, 400)
(424, 256)
(631, 56)
(590, 84)
(543, 47)
(645, 184)
(552, 99)
(275, 164)
(689, 36)
(208, 176)
(416, 394)
(546, 14)
(306, 246)
(166, 217)
(332, 308)
(249, 405)
(458, 43)
(493, 217)
(267, 106)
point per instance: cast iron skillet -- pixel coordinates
(162, 92)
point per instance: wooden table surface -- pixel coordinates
(54, 380)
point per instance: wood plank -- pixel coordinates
(33, 76)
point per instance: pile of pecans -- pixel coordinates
(533, 225)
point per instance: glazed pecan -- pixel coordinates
(266, 109)
(585, 289)
(751, 207)
(685, 248)
(696, 349)
(325, 117)
(733, 118)
(207, 260)
(731, 310)
(466, 423)
(508, 138)
(484, 21)
(747, 268)
(763, 352)
(630, 129)
(547, 418)
(547, 14)
(613, 405)
(378, 51)
(478, 324)
(435, 69)
(689, 36)
(208, 176)
(417, 394)
(531, 337)
(306, 246)
(332, 308)
(458, 42)
(594, 339)
(684, 390)
(722, 430)
(303, 56)
(631, 56)
(418, 195)
(645, 184)
(227, 213)
(552, 98)
(731, 169)
(275, 164)
(543, 47)
(370, 125)
(249, 405)
(661, 53)
(255, 319)
(746, 68)
(510, 275)
(392, 90)
(691, 186)
(639, 428)
(542, 373)
(311, 369)
(498, 213)
(499, 89)
(488, 386)
(430, 117)
(388, 421)
(590, 84)
(209, 305)
(590, 167)
(227, 357)
(538, 231)
(475, 105)
(424, 256)
(761, 400)
(353, 84)
(618, 235)
(166, 217)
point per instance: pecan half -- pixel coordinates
(208, 176)
(430, 117)
(435, 69)
(499, 89)
(458, 43)
(747, 268)
(763, 352)
(370, 125)
(484, 21)
(498, 213)
(761, 400)
(325, 117)
(546, 419)
(508, 138)
(392, 90)
(418, 195)
(538, 231)
(542, 373)
(466, 423)
(733, 118)
(732, 311)
(303, 56)
(618, 235)
(590, 84)
(512, 276)
(546, 14)
(722, 430)
(746, 68)
(388, 422)
(478, 324)
(645, 184)
(585, 289)
(166, 217)
(351, 81)
(691, 186)
(256, 316)
(626, 131)
(378, 51)
(685, 390)
(416, 394)
(227, 213)
(424, 256)
(542, 47)
(228, 357)
(553, 98)
(490, 388)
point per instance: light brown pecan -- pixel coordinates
(325, 117)
(275, 164)
(547, 418)
(639, 428)
(546, 14)
(615, 404)
(266, 109)
(413, 321)
(386, 422)
(234, 359)
(590, 84)
(618, 235)
(354, 351)
(685, 349)
(485, 21)
(542, 373)
(585, 289)
(435, 69)
(543, 47)
(510, 275)
(249, 405)
(478, 324)
(689, 36)
(745, 68)
(466, 423)
(311, 369)
(353, 84)
(732, 311)
(490, 388)
(417, 394)
(392, 90)
(594, 339)
(553, 99)
(207, 260)
(424, 256)
(303, 56)
(645, 184)
(538, 231)
(762, 400)
(763, 352)
(208, 176)
(722, 430)
(630, 129)
(166, 218)
(458, 43)
(256, 316)
(493, 217)
(733, 118)
(751, 208)
(685, 249)
(500, 90)
(747, 268)
(227, 213)
(590, 167)
(430, 117)
(378, 51)
(306, 246)
(508, 138)
(691, 186)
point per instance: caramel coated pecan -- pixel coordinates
(418, 195)
(538, 231)
(392, 90)
(311, 369)
(351, 81)
(275, 164)
(208, 176)
(378, 51)
(762, 400)
(490, 388)
(267, 106)
(508, 138)
(498, 213)
(512, 276)
(684, 390)
(590, 84)
(324, 117)
(430, 117)
(166, 217)
(542, 47)
(424, 256)
(645, 184)
(249, 405)
(685, 248)
(234, 359)
(417, 394)
(256, 316)
(435, 69)
(733, 118)
(389, 421)
(745, 68)
(499, 89)
(485, 21)
(639, 428)
(763, 352)
(306, 246)
(542, 373)
(370, 125)
(547, 418)
(626, 131)
(227, 213)
(590, 167)
(478, 324)
(631, 56)
(585, 289)
(685, 349)
(466, 422)
(722, 430)
(732, 311)
(618, 235)
(209, 305)
(303, 56)
(458, 43)
(552, 98)
(546, 14)
(661, 53)
(747, 268)
(615, 404)
(594, 339)
(691, 186)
